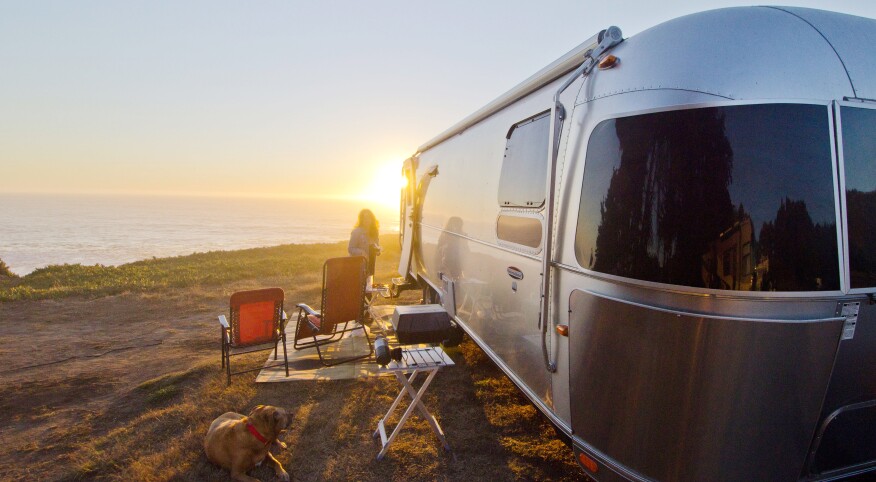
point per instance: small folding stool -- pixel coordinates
(414, 361)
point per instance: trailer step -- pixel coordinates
(401, 284)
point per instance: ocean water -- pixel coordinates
(38, 230)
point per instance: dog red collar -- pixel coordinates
(255, 433)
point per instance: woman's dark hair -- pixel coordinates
(369, 221)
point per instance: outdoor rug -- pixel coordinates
(305, 364)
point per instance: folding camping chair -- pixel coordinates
(342, 309)
(257, 324)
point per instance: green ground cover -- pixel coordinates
(199, 269)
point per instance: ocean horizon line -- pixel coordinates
(49, 229)
(197, 195)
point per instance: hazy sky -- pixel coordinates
(269, 98)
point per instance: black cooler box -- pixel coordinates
(415, 324)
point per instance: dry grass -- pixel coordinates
(495, 433)
(141, 413)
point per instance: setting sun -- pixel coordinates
(385, 185)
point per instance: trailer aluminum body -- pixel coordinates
(670, 250)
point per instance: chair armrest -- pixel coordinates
(283, 320)
(308, 310)
(303, 308)
(226, 329)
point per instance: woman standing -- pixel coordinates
(364, 240)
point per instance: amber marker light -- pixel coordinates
(608, 62)
(563, 330)
(587, 462)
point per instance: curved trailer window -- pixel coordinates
(859, 159)
(524, 167)
(735, 198)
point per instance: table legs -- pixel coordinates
(416, 402)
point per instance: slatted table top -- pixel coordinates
(419, 358)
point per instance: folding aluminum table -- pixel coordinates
(414, 361)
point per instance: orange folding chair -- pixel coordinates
(342, 309)
(257, 324)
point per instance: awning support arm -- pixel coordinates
(608, 38)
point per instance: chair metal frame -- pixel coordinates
(229, 332)
(319, 335)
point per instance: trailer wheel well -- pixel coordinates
(430, 294)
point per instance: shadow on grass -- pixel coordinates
(524, 443)
(156, 431)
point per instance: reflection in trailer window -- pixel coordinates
(734, 198)
(859, 158)
(524, 168)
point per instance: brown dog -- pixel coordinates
(239, 443)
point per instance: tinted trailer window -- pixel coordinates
(734, 198)
(859, 157)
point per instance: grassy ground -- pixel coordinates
(113, 374)
(200, 269)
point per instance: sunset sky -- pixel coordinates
(269, 98)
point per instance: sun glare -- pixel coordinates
(386, 184)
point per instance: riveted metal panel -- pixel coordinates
(853, 39)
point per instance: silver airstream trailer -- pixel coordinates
(668, 242)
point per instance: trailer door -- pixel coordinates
(519, 228)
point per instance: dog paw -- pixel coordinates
(284, 476)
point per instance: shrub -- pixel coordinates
(4, 270)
